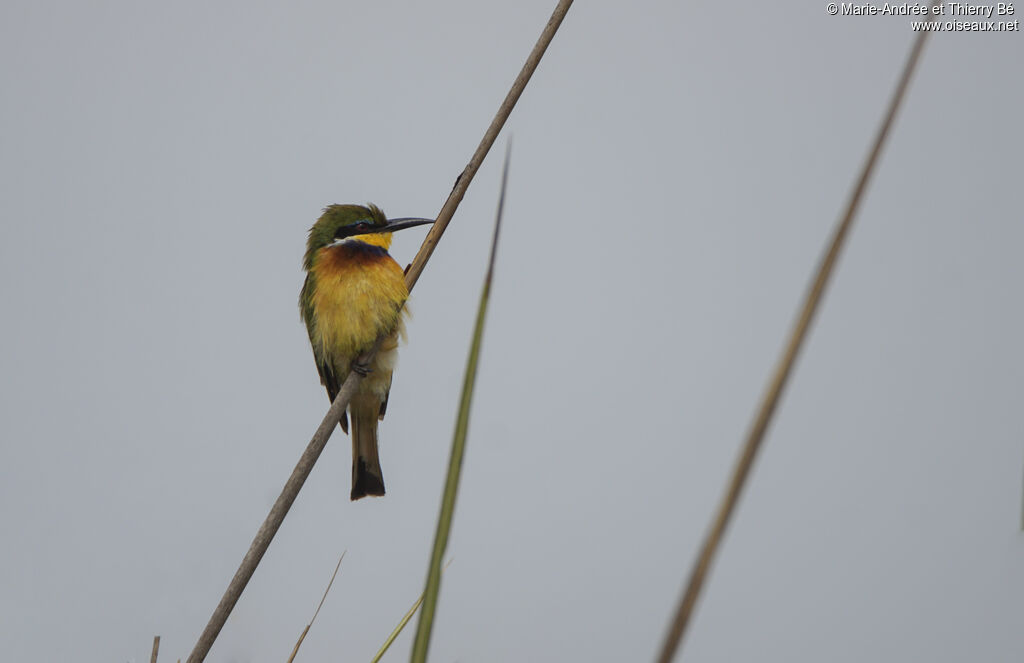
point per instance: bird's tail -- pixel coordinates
(367, 478)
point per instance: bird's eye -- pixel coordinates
(353, 229)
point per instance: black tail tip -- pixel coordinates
(366, 483)
(371, 486)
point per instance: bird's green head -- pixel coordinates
(340, 222)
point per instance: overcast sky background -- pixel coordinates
(677, 168)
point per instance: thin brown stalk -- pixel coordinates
(316, 445)
(156, 649)
(462, 183)
(779, 377)
(302, 637)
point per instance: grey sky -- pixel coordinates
(676, 170)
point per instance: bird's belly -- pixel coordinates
(357, 300)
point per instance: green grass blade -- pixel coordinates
(398, 629)
(401, 625)
(451, 487)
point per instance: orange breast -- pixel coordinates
(359, 290)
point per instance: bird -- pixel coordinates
(354, 293)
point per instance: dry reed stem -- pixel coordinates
(782, 371)
(316, 445)
(156, 649)
(462, 183)
(302, 637)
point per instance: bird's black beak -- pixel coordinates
(401, 224)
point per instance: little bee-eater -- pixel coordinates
(354, 292)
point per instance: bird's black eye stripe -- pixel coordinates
(353, 229)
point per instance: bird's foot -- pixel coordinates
(361, 368)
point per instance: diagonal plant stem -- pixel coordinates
(305, 631)
(532, 60)
(316, 445)
(782, 371)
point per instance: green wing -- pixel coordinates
(327, 376)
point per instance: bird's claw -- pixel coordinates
(361, 368)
